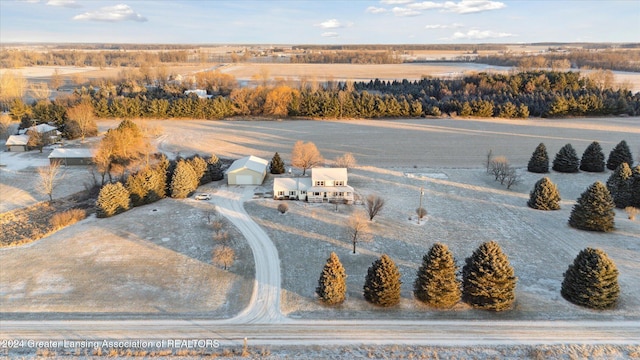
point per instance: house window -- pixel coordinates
(335, 194)
(339, 183)
(341, 194)
(316, 194)
(320, 183)
(280, 193)
(292, 193)
(348, 194)
(302, 192)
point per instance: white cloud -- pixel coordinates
(395, 2)
(120, 12)
(375, 10)
(426, 5)
(400, 11)
(64, 3)
(329, 34)
(441, 26)
(330, 24)
(480, 34)
(472, 6)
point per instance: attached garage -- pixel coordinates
(249, 170)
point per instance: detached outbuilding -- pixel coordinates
(249, 170)
(71, 156)
(17, 143)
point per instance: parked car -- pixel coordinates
(203, 197)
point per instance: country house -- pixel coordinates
(324, 185)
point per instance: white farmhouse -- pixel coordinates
(324, 185)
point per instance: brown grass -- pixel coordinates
(24, 225)
(66, 218)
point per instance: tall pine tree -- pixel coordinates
(277, 165)
(382, 283)
(592, 158)
(635, 187)
(436, 282)
(112, 200)
(488, 280)
(620, 186)
(592, 280)
(619, 154)
(594, 209)
(566, 160)
(184, 181)
(539, 162)
(332, 285)
(544, 196)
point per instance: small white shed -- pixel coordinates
(249, 170)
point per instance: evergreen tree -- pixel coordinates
(382, 283)
(277, 165)
(199, 166)
(436, 283)
(621, 153)
(539, 162)
(544, 196)
(332, 285)
(592, 158)
(592, 280)
(184, 181)
(566, 160)
(594, 209)
(214, 170)
(620, 186)
(635, 187)
(112, 200)
(488, 280)
(146, 186)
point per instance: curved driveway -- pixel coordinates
(264, 306)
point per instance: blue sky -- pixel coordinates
(319, 22)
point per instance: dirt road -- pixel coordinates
(264, 306)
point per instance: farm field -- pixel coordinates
(157, 263)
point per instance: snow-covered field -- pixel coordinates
(155, 260)
(466, 207)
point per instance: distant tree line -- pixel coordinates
(611, 59)
(532, 93)
(348, 57)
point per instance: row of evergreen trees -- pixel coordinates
(488, 280)
(177, 178)
(567, 161)
(593, 210)
(534, 93)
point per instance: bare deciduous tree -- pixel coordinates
(221, 237)
(305, 156)
(39, 91)
(373, 203)
(346, 161)
(358, 229)
(48, 179)
(82, 119)
(223, 256)
(498, 168)
(56, 79)
(511, 178)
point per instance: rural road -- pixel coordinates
(321, 332)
